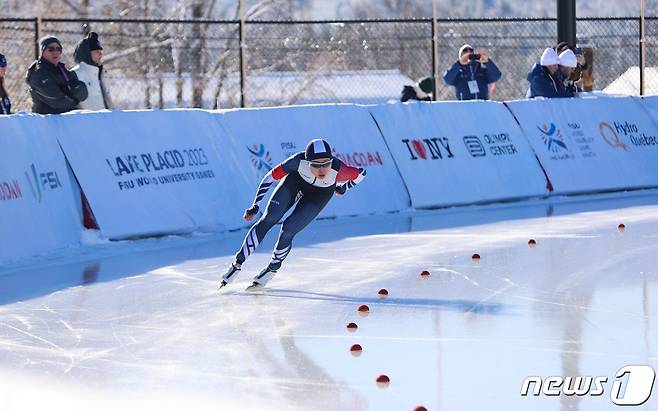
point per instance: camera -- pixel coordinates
(474, 57)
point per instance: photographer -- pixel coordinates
(473, 75)
(53, 88)
(581, 62)
(568, 63)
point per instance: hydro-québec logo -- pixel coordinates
(634, 390)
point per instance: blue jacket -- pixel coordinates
(484, 74)
(543, 84)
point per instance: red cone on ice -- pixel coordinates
(363, 309)
(424, 274)
(532, 242)
(420, 408)
(383, 292)
(356, 349)
(383, 380)
(621, 227)
(476, 256)
(352, 327)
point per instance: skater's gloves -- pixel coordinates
(251, 212)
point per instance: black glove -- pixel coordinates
(253, 210)
(341, 189)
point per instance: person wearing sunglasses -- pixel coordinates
(5, 104)
(53, 88)
(307, 181)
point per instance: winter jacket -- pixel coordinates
(5, 104)
(99, 96)
(53, 88)
(543, 84)
(484, 74)
(92, 75)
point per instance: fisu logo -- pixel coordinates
(260, 158)
(552, 137)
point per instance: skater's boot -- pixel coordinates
(261, 279)
(230, 274)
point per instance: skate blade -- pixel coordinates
(255, 287)
(222, 285)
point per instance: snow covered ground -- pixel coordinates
(140, 326)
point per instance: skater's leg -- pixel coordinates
(308, 207)
(281, 201)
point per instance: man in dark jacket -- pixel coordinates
(53, 88)
(543, 77)
(472, 74)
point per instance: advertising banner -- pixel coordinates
(453, 153)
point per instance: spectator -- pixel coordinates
(568, 63)
(53, 88)
(5, 104)
(473, 75)
(89, 56)
(577, 74)
(422, 90)
(543, 76)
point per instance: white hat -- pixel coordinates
(464, 47)
(568, 59)
(549, 57)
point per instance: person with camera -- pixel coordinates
(568, 64)
(581, 62)
(473, 75)
(54, 89)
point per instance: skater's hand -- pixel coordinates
(340, 189)
(250, 212)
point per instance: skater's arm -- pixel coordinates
(275, 174)
(348, 177)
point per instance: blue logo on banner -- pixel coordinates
(260, 158)
(552, 138)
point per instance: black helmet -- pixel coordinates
(318, 148)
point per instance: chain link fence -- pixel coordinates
(164, 64)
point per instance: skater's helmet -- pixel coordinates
(318, 148)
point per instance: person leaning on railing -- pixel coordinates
(5, 103)
(474, 75)
(53, 88)
(89, 56)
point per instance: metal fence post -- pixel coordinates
(243, 57)
(435, 53)
(36, 38)
(642, 47)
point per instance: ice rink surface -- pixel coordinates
(139, 325)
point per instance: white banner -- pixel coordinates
(269, 136)
(155, 172)
(592, 144)
(459, 152)
(37, 206)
